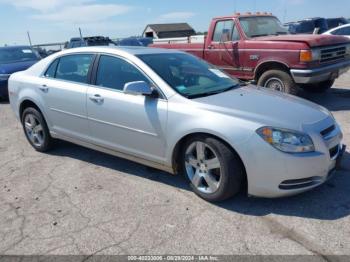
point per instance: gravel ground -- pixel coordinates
(78, 201)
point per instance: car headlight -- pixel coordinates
(287, 140)
(4, 77)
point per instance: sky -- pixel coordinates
(50, 21)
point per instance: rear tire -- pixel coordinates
(278, 80)
(36, 130)
(319, 87)
(216, 173)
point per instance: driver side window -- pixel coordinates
(114, 73)
(225, 31)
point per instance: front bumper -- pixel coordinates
(317, 75)
(272, 173)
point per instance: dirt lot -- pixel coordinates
(78, 201)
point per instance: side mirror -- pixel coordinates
(138, 88)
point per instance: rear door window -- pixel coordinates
(74, 68)
(342, 31)
(51, 71)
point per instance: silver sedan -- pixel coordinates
(175, 112)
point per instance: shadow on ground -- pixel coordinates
(335, 99)
(328, 202)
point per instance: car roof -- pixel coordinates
(133, 50)
(338, 27)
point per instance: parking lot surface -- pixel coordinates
(79, 201)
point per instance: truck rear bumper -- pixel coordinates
(317, 75)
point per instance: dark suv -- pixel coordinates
(89, 41)
(335, 22)
(14, 59)
(308, 26)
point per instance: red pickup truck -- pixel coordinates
(256, 47)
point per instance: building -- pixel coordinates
(168, 30)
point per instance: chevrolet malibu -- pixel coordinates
(172, 111)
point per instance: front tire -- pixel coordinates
(36, 130)
(215, 173)
(278, 80)
(319, 87)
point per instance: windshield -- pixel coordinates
(10, 55)
(262, 26)
(189, 75)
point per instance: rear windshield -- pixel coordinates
(11, 55)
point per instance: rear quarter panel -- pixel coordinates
(23, 86)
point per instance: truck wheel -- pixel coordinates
(319, 87)
(278, 80)
(215, 173)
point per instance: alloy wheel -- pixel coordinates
(34, 130)
(203, 167)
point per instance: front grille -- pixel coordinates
(334, 151)
(327, 131)
(332, 54)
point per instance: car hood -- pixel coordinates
(16, 66)
(265, 107)
(311, 40)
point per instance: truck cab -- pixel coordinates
(256, 47)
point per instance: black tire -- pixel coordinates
(231, 169)
(287, 82)
(319, 87)
(46, 137)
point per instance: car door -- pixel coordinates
(132, 124)
(64, 88)
(225, 46)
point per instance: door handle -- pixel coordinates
(97, 98)
(44, 88)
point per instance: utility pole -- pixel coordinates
(30, 40)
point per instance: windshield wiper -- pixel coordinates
(259, 35)
(213, 92)
(277, 33)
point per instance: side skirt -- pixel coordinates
(136, 159)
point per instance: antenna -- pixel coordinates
(81, 35)
(30, 40)
(235, 6)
